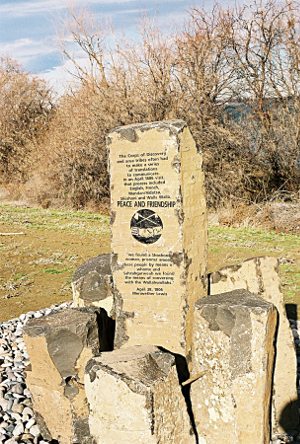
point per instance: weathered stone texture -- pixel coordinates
(159, 233)
(261, 276)
(59, 346)
(135, 397)
(92, 284)
(233, 338)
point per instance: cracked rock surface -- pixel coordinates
(140, 398)
(59, 345)
(233, 337)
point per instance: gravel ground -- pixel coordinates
(17, 420)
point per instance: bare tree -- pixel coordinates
(83, 42)
(262, 51)
(205, 77)
(232, 74)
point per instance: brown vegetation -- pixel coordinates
(232, 75)
(25, 109)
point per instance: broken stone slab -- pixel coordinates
(135, 397)
(59, 346)
(159, 233)
(92, 284)
(233, 338)
(260, 275)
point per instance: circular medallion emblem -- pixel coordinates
(146, 226)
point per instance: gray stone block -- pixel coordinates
(233, 338)
(134, 396)
(260, 275)
(92, 284)
(59, 346)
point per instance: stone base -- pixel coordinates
(59, 346)
(135, 397)
(260, 275)
(233, 338)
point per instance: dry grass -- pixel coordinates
(273, 215)
(36, 268)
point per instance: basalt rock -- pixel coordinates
(59, 346)
(159, 233)
(261, 276)
(134, 397)
(233, 338)
(92, 284)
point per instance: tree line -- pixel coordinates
(232, 74)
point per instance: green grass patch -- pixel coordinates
(19, 275)
(56, 270)
(228, 246)
(53, 271)
(69, 221)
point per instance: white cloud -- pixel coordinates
(25, 48)
(131, 11)
(34, 7)
(129, 1)
(29, 49)
(31, 7)
(59, 78)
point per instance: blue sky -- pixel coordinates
(27, 27)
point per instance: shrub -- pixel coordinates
(25, 109)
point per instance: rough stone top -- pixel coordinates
(235, 298)
(100, 263)
(73, 319)
(126, 354)
(129, 131)
(217, 275)
(233, 314)
(140, 366)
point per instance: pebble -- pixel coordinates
(16, 416)
(17, 389)
(27, 436)
(35, 430)
(28, 411)
(10, 428)
(27, 402)
(30, 423)
(10, 403)
(19, 429)
(17, 408)
(27, 393)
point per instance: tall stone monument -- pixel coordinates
(159, 233)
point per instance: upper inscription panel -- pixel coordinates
(145, 202)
